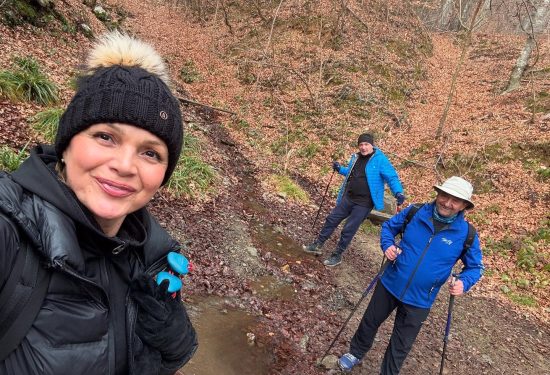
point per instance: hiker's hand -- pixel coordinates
(392, 252)
(457, 288)
(400, 198)
(336, 166)
(162, 321)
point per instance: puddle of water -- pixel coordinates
(224, 346)
(272, 240)
(269, 287)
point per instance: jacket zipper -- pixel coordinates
(345, 186)
(56, 264)
(111, 338)
(416, 267)
(432, 288)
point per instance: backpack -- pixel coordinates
(469, 237)
(21, 297)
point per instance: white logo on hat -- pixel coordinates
(163, 115)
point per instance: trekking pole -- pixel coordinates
(447, 327)
(322, 200)
(365, 293)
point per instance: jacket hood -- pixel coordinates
(37, 174)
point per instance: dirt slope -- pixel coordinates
(246, 232)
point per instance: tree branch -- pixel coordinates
(204, 105)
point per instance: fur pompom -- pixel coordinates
(116, 48)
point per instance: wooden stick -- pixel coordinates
(204, 105)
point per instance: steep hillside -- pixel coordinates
(302, 80)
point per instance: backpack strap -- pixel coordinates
(21, 298)
(469, 239)
(414, 209)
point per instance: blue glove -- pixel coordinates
(400, 198)
(336, 166)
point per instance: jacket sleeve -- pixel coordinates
(9, 244)
(391, 228)
(389, 174)
(344, 171)
(473, 265)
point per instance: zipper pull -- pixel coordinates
(117, 250)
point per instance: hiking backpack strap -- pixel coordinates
(469, 239)
(21, 298)
(414, 209)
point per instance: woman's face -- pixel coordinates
(115, 169)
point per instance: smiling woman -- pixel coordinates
(114, 170)
(79, 207)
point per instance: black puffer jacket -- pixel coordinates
(86, 323)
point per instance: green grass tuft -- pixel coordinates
(189, 72)
(192, 176)
(46, 122)
(288, 188)
(10, 160)
(27, 82)
(523, 300)
(8, 85)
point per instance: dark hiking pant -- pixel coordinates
(408, 321)
(355, 215)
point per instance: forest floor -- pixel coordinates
(246, 242)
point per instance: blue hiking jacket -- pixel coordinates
(378, 170)
(427, 259)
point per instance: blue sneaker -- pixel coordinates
(347, 362)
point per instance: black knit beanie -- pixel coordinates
(129, 95)
(365, 137)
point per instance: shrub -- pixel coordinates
(46, 122)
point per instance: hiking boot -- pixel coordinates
(314, 248)
(347, 362)
(334, 260)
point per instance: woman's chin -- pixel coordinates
(108, 214)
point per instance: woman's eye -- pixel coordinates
(152, 154)
(103, 136)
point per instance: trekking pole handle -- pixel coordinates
(179, 266)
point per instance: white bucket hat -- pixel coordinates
(458, 187)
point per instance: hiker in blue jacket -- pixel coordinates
(361, 191)
(434, 239)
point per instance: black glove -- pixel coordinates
(400, 198)
(162, 321)
(336, 166)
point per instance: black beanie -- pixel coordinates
(124, 94)
(365, 137)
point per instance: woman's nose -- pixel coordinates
(124, 162)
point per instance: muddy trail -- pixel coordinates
(263, 306)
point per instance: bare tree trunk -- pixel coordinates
(532, 26)
(445, 14)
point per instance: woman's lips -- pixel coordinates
(115, 189)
